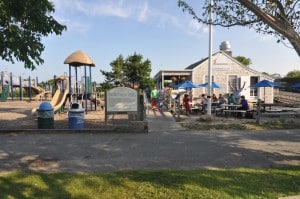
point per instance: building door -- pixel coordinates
(246, 90)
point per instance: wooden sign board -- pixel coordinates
(121, 99)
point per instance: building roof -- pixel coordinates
(196, 64)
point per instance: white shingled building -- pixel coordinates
(225, 69)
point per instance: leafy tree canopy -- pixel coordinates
(23, 24)
(129, 72)
(244, 60)
(293, 74)
(280, 18)
(265, 73)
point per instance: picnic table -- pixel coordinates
(232, 109)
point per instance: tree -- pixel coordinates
(118, 67)
(278, 18)
(265, 73)
(244, 60)
(23, 24)
(130, 72)
(292, 77)
(293, 74)
(138, 71)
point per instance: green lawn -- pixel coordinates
(202, 183)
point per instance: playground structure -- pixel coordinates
(67, 90)
(77, 90)
(76, 60)
(60, 96)
(84, 90)
(8, 84)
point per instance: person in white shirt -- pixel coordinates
(237, 92)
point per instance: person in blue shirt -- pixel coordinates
(244, 103)
(244, 106)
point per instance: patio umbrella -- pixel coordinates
(264, 84)
(297, 85)
(213, 85)
(187, 85)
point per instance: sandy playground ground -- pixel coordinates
(18, 115)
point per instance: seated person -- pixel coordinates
(214, 99)
(244, 106)
(203, 103)
(231, 99)
(221, 100)
(244, 103)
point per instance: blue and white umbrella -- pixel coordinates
(297, 85)
(213, 85)
(186, 85)
(265, 83)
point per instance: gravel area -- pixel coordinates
(166, 146)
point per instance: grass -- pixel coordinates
(237, 126)
(202, 183)
(210, 124)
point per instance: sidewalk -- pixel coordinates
(162, 121)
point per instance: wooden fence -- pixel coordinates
(288, 98)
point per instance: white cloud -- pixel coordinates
(143, 13)
(194, 26)
(78, 26)
(121, 8)
(76, 14)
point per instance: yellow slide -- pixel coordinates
(41, 93)
(60, 95)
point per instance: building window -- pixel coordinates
(253, 91)
(234, 80)
(206, 78)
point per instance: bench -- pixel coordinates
(235, 113)
(196, 109)
(219, 111)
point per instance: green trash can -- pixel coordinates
(45, 115)
(76, 116)
(4, 94)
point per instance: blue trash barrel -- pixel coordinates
(76, 116)
(45, 115)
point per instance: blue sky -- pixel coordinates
(159, 30)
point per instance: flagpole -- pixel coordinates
(210, 59)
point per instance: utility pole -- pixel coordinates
(210, 59)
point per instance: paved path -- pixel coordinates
(167, 145)
(162, 121)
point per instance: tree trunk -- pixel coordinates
(295, 43)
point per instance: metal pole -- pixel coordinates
(85, 87)
(70, 84)
(21, 88)
(30, 89)
(210, 59)
(76, 85)
(11, 87)
(90, 85)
